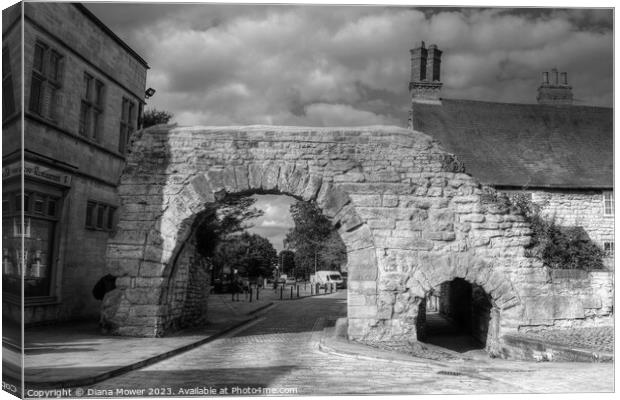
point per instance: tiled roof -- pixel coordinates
(524, 145)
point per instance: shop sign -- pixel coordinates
(37, 171)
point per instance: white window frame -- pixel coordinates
(608, 203)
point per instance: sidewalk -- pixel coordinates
(78, 354)
(578, 344)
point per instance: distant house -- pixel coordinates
(83, 96)
(558, 153)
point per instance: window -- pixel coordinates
(46, 82)
(128, 123)
(608, 198)
(99, 216)
(33, 262)
(91, 107)
(608, 247)
(8, 99)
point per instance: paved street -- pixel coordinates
(280, 350)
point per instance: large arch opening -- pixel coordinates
(231, 248)
(459, 316)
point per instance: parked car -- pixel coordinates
(221, 285)
(324, 278)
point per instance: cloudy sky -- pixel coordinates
(216, 64)
(220, 64)
(276, 220)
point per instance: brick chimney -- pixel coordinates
(555, 90)
(425, 85)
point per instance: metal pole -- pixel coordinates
(281, 291)
(297, 290)
(256, 292)
(250, 294)
(291, 292)
(315, 263)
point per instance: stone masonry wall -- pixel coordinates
(408, 215)
(579, 208)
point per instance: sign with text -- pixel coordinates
(37, 171)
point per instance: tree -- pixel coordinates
(153, 116)
(287, 259)
(313, 239)
(224, 218)
(252, 255)
(334, 252)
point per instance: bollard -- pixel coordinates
(311, 291)
(318, 287)
(257, 293)
(291, 292)
(281, 291)
(297, 290)
(250, 294)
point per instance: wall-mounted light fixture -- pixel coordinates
(149, 93)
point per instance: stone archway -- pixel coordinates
(407, 213)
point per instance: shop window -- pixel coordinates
(608, 198)
(128, 124)
(19, 229)
(45, 82)
(609, 249)
(34, 262)
(99, 216)
(8, 95)
(91, 108)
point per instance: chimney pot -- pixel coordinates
(554, 73)
(557, 92)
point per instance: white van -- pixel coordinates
(326, 277)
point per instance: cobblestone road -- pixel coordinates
(280, 350)
(598, 338)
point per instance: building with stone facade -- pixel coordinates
(558, 153)
(83, 96)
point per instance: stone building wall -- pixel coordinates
(409, 216)
(579, 208)
(52, 140)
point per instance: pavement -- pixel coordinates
(262, 339)
(77, 353)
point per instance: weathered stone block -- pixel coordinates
(271, 173)
(150, 268)
(332, 199)
(362, 287)
(362, 265)
(348, 219)
(142, 295)
(367, 311)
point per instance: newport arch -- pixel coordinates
(407, 212)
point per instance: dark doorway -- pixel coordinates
(456, 315)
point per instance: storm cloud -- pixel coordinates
(218, 64)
